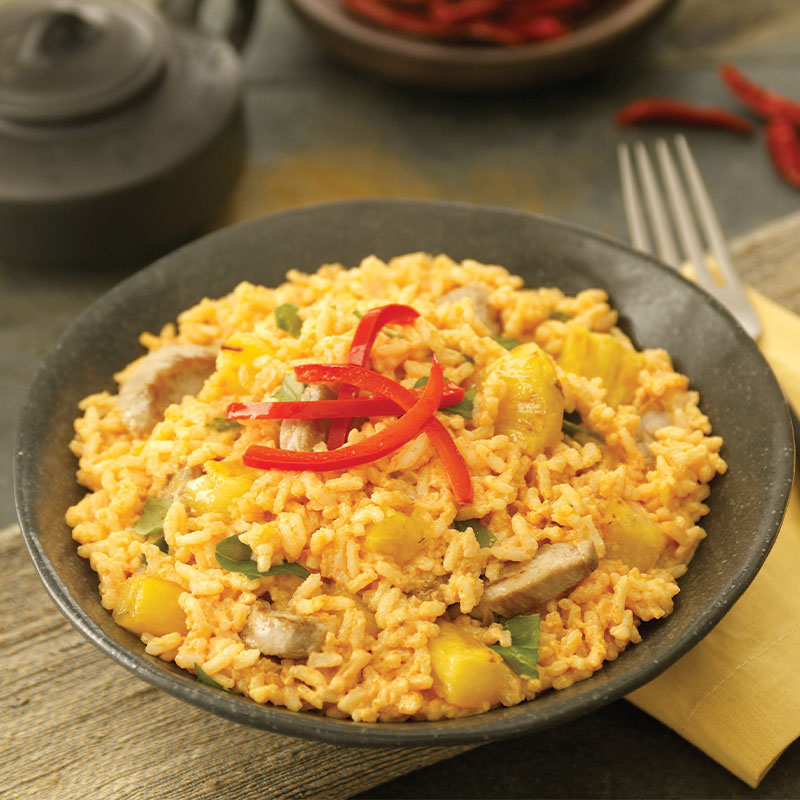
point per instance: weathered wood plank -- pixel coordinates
(75, 725)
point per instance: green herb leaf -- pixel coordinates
(162, 545)
(287, 568)
(484, 536)
(151, 522)
(509, 344)
(573, 430)
(524, 651)
(468, 359)
(143, 558)
(358, 313)
(222, 424)
(559, 315)
(234, 555)
(463, 409)
(291, 389)
(203, 677)
(287, 319)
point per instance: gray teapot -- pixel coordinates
(121, 130)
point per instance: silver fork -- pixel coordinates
(729, 291)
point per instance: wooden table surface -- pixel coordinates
(321, 131)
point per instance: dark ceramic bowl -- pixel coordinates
(658, 309)
(465, 67)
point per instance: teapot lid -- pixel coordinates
(61, 60)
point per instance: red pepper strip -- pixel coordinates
(784, 147)
(367, 331)
(334, 409)
(454, 463)
(419, 412)
(759, 100)
(666, 110)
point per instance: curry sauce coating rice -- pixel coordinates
(379, 611)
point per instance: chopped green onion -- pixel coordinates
(523, 653)
(559, 315)
(288, 319)
(392, 334)
(222, 424)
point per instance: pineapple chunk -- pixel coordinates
(397, 535)
(631, 536)
(241, 349)
(466, 672)
(532, 409)
(150, 605)
(221, 485)
(600, 355)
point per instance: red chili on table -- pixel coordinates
(784, 147)
(453, 461)
(334, 409)
(367, 331)
(759, 100)
(666, 110)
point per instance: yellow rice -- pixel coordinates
(319, 519)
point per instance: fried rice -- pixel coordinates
(380, 610)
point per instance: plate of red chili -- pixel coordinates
(658, 309)
(476, 45)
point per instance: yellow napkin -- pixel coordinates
(736, 695)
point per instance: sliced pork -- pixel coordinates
(163, 377)
(280, 634)
(551, 572)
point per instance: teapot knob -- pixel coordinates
(229, 19)
(54, 34)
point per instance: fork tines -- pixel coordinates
(725, 286)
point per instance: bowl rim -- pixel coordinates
(472, 729)
(615, 23)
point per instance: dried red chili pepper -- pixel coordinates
(784, 147)
(445, 11)
(504, 22)
(372, 448)
(541, 28)
(666, 110)
(360, 348)
(334, 409)
(453, 461)
(759, 100)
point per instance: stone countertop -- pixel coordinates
(321, 131)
